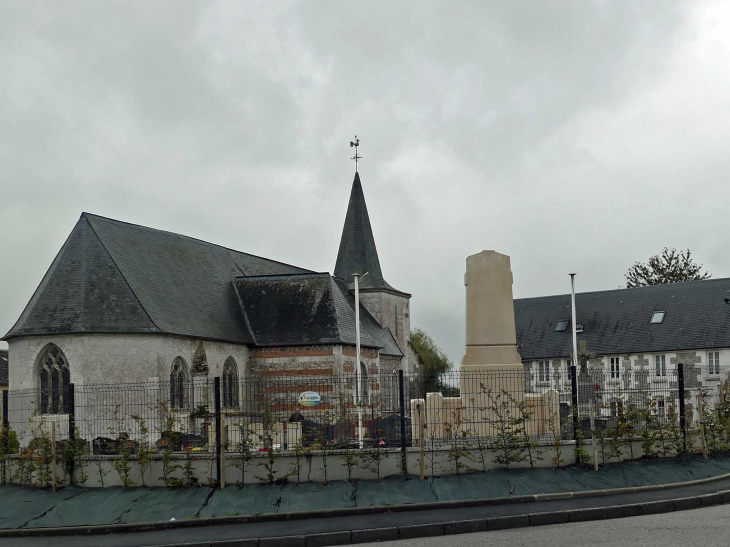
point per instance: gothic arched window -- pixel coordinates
(54, 379)
(178, 384)
(230, 384)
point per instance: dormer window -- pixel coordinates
(562, 325)
(658, 317)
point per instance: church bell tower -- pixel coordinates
(358, 255)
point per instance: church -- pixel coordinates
(127, 303)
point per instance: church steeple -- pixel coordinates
(358, 253)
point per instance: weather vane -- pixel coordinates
(355, 143)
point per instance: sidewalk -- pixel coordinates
(33, 508)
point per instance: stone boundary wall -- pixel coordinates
(439, 462)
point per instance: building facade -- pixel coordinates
(632, 342)
(123, 303)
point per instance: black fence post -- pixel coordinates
(682, 409)
(5, 434)
(71, 412)
(217, 388)
(402, 394)
(574, 402)
(6, 418)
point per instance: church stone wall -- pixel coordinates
(389, 364)
(389, 393)
(114, 360)
(393, 312)
(123, 358)
(119, 358)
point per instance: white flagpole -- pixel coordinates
(358, 403)
(573, 324)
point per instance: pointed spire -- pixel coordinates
(358, 253)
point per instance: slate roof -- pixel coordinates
(115, 277)
(617, 321)
(315, 308)
(357, 253)
(3, 366)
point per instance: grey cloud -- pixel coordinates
(553, 132)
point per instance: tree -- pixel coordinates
(671, 266)
(435, 362)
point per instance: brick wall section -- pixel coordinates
(351, 351)
(292, 361)
(289, 351)
(290, 367)
(295, 372)
(287, 371)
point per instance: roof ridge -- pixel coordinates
(269, 276)
(644, 287)
(333, 288)
(395, 340)
(194, 239)
(98, 237)
(243, 310)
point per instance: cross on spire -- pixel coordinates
(355, 143)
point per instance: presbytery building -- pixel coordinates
(635, 337)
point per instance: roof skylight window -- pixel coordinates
(579, 327)
(658, 317)
(562, 325)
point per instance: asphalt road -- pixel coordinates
(708, 527)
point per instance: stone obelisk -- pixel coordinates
(491, 365)
(491, 341)
(492, 373)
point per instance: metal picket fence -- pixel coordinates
(274, 412)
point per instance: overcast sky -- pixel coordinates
(573, 136)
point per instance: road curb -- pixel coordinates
(611, 512)
(464, 527)
(328, 539)
(499, 523)
(421, 530)
(371, 535)
(592, 513)
(283, 541)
